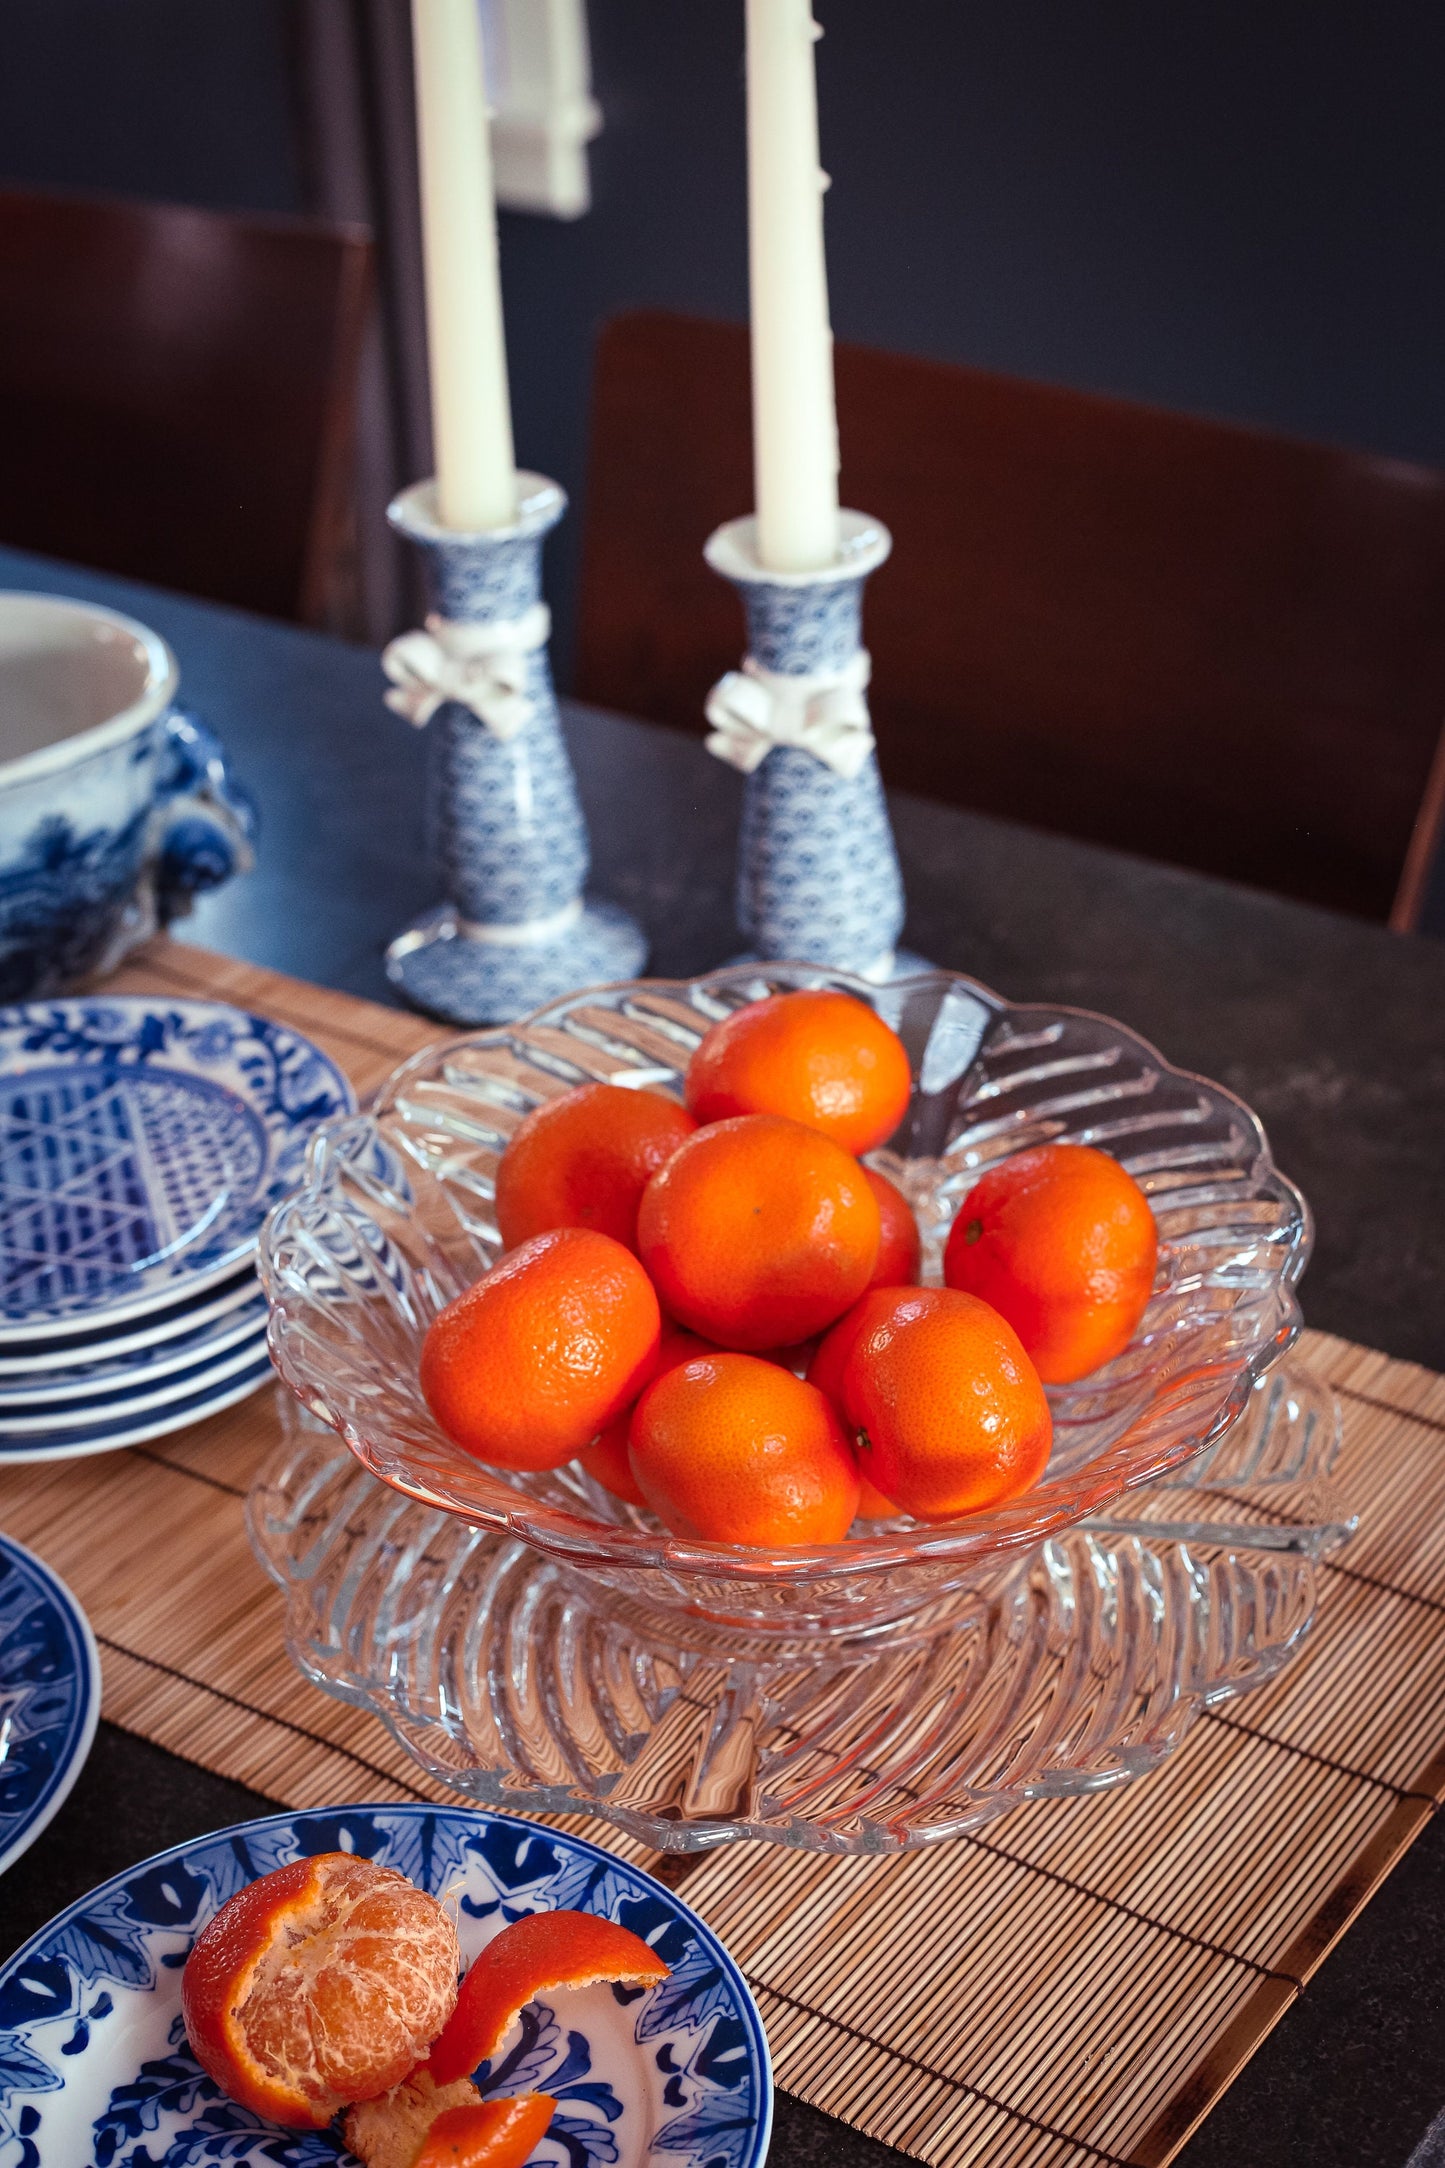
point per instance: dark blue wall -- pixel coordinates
(1231, 206)
(181, 100)
(1235, 206)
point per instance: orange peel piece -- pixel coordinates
(496, 2134)
(544, 1950)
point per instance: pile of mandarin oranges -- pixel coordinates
(714, 1306)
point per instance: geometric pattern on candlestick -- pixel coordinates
(818, 879)
(504, 823)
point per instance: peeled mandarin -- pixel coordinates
(322, 1983)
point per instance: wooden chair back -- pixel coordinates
(1185, 639)
(179, 390)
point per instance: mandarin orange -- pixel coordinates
(526, 1367)
(584, 1159)
(605, 1459)
(734, 1449)
(872, 1505)
(898, 1242)
(320, 1984)
(822, 1058)
(949, 1413)
(1062, 1242)
(758, 1231)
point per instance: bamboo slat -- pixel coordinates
(1076, 1983)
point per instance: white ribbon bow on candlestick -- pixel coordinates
(822, 712)
(486, 668)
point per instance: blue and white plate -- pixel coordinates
(91, 1434)
(49, 1696)
(134, 1396)
(94, 2065)
(141, 1145)
(145, 1369)
(156, 1330)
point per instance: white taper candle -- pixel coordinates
(466, 349)
(795, 430)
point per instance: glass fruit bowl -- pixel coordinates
(396, 1217)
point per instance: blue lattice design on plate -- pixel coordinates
(94, 2063)
(105, 1174)
(49, 1696)
(141, 1145)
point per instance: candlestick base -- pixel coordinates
(514, 929)
(465, 975)
(818, 879)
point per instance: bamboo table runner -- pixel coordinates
(1076, 1984)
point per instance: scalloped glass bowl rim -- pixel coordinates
(575, 1539)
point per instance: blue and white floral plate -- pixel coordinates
(94, 2065)
(142, 1143)
(49, 1697)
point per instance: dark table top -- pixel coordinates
(1333, 1030)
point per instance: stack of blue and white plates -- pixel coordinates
(142, 1143)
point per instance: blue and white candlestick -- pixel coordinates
(504, 821)
(818, 879)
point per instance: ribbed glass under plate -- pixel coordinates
(524, 1682)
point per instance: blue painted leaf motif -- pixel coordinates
(430, 1849)
(592, 1885)
(597, 2094)
(22, 2070)
(523, 2069)
(363, 1834)
(169, 1895)
(697, 1990)
(724, 2058)
(718, 2135)
(45, 1989)
(574, 2065)
(227, 2132)
(174, 2085)
(586, 2143)
(515, 1857)
(106, 1944)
